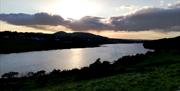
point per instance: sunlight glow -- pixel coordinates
(73, 8)
(76, 58)
(9, 27)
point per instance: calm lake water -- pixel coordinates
(66, 58)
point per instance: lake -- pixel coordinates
(65, 58)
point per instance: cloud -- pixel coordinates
(174, 5)
(127, 9)
(42, 20)
(36, 19)
(166, 19)
(162, 3)
(148, 19)
(89, 23)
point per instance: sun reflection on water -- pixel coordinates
(76, 58)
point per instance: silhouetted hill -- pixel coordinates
(80, 37)
(164, 44)
(20, 42)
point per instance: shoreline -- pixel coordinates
(65, 48)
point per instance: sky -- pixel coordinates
(131, 19)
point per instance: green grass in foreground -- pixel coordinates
(165, 77)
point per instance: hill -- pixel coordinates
(21, 42)
(164, 44)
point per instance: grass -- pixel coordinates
(164, 77)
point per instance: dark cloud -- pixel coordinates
(89, 23)
(36, 19)
(148, 19)
(85, 23)
(144, 19)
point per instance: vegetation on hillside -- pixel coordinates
(161, 78)
(21, 42)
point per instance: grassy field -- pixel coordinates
(166, 78)
(162, 73)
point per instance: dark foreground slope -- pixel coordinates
(159, 78)
(153, 71)
(164, 44)
(21, 42)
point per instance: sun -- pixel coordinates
(74, 8)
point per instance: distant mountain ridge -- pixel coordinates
(20, 42)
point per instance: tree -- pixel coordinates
(10, 75)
